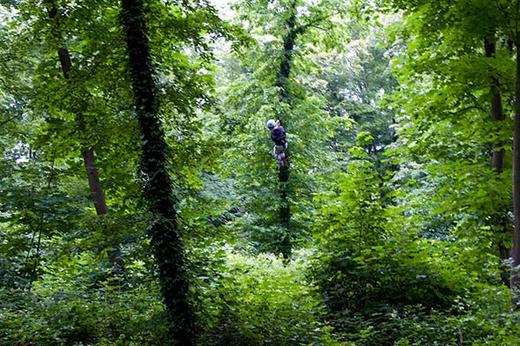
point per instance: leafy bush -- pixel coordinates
(245, 300)
(69, 305)
(398, 274)
(378, 295)
(383, 285)
(260, 300)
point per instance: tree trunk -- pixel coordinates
(89, 159)
(497, 112)
(282, 82)
(93, 181)
(515, 253)
(285, 211)
(497, 161)
(165, 234)
(282, 77)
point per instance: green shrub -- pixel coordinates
(383, 285)
(260, 300)
(68, 305)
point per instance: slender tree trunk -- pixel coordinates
(285, 211)
(515, 252)
(282, 77)
(96, 190)
(497, 160)
(165, 234)
(497, 112)
(282, 82)
(89, 159)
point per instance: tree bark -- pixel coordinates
(282, 77)
(282, 82)
(497, 112)
(96, 189)
(165, 233)
(515, 252)
(497, 159)
(285, 211)
(89, 159)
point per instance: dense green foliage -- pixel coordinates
(399, 119)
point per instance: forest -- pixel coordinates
(260, 172)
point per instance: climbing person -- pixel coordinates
(280, 141)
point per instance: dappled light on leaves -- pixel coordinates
(149, 196)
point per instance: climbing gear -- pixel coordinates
(279, 152)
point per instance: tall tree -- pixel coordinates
(294, 27)
(89, 159)
(166, 238)
(484, 20)
(461, 102)
(285, 30)
(515, 252)
(282, 82)
(498, 151)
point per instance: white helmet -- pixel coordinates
(270, 124)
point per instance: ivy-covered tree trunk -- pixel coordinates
(515, 252)
(497, 112)
(497, 159)
(165, 234)
(89, 159)
(282, 82)
(282, 77)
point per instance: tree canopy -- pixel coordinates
(143, 200)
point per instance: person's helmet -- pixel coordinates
(270, 124)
